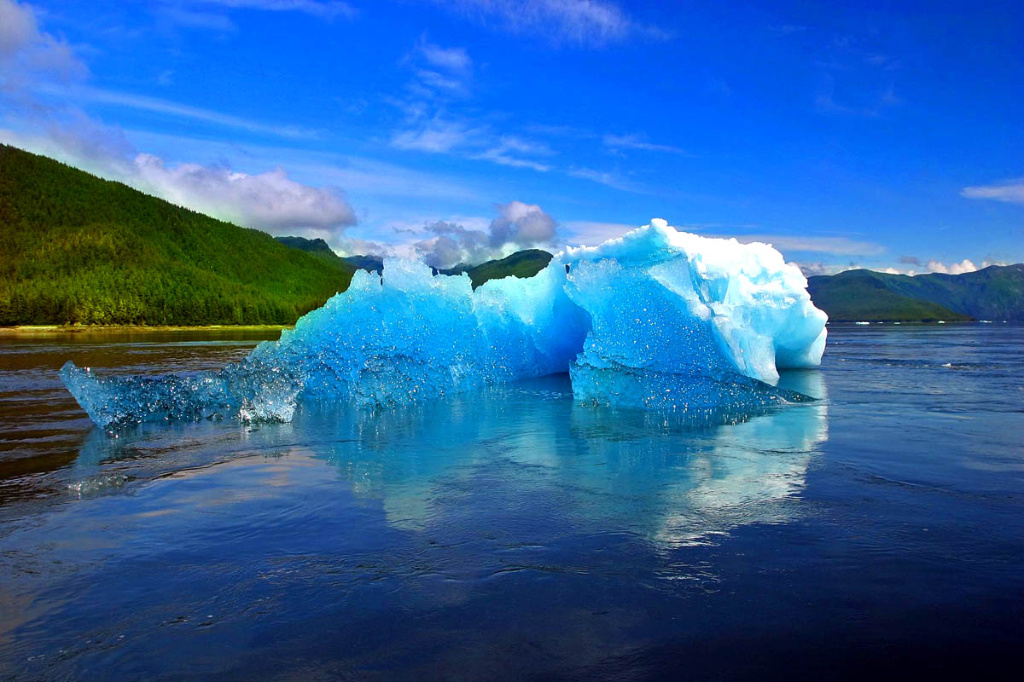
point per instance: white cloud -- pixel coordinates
(517, 226)
(1010, 191)
(585, 23)
(960, 268)
(269, 201)
(522, 224)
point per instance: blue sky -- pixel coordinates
(880, 134)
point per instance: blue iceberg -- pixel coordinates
(658, 319)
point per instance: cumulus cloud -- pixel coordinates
(960, 268)
(584, 23)
(1010, 191)
(517, 226)
(523, 225)
(270, 201)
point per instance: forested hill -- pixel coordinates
(78, 249)
(520, 264)
(993, 293)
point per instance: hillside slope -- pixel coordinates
(75, 248)
(993, 293)
(858, 295)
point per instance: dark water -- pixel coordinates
(515, 535)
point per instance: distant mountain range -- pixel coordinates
(75, 248)
(994, 293)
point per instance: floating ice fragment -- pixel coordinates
(658, 319)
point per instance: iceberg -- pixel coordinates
(658, 319)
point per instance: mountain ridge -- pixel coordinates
(992, 293)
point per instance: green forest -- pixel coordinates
(77, 249)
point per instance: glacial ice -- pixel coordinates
(658, 319)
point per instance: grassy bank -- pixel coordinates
(53, 330)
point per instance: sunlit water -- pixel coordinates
(513, 534)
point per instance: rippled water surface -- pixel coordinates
(512, 534)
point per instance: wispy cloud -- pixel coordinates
(441, 76)
(204, 20)
(157, 105)
(451, 59)
(325, 9)
(870, 106)
(440, 72)
(592, 233)
(1010, 191)
(582, 23)
(606, 178)
(858, 78)
(837, 246)
(436, 136)
(618, 142)
(504, 153)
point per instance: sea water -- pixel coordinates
(515, 533)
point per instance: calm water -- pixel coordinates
(515, 535)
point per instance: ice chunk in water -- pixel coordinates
(657, 319)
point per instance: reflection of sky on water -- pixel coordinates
(407, 510)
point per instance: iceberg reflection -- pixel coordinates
(670, 479)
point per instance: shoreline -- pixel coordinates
(56, 329)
